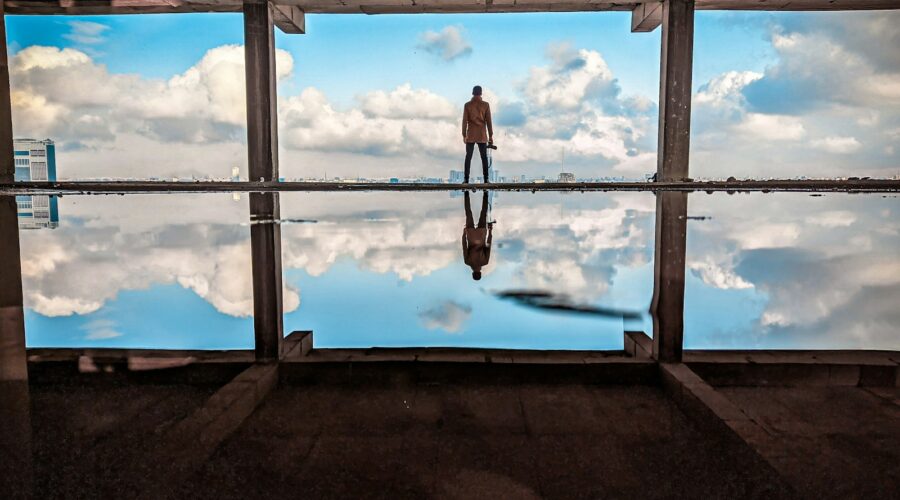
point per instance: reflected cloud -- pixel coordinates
(811, 260)
(101, 329)
(448, 316)
(808, 262)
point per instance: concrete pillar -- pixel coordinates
(676, 61)
(667, 306)
(262, 147)
(15, 423)
(12, 319)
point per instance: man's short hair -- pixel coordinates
(476, 275)
(476, 90)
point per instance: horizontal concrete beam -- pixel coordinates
(797, 368)
(100, 366)
(289, 17)
(44, 354)
(298, 348)
(417, 6)
(646, 17)
(615, 371)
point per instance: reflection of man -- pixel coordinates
(476, 241)
(477, 118)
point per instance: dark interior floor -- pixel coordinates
(829, 442)
(86, 439)
(447, 441)
(397, 438)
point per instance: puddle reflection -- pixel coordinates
(552, 270)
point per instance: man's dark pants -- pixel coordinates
(482, 148)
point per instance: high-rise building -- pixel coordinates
(35, 160)
(456, 177)
(566, 177)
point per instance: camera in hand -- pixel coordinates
(491, 145)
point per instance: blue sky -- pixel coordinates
(380, 96)
(764, 271)
(383, 48)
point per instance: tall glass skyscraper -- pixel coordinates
(35, 160)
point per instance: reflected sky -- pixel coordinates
(388, 269)
(793, 270)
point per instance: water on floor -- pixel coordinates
(564, 270)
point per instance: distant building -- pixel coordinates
(456, 177)
(235, 174)
(35, 160)
(566, 177)
(395, 180)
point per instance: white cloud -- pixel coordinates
(64, 94)
(834, 87)
(772, 127)
(724, 91)
(86, 32)
(448, 44)
(837, 145)
(406, 102)
(105, 122)
(572, 81)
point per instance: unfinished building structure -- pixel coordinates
(291, 419)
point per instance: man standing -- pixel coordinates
(477, 117)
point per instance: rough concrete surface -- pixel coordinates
(87, 440)
(829, 442)
(476, 441)
(463, 437)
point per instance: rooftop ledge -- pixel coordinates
(774, 185)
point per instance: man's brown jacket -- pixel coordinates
(477, 116)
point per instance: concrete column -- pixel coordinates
(15, 423)
(262, 147)
(12, 319)
(676, 63)
(667, 307)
